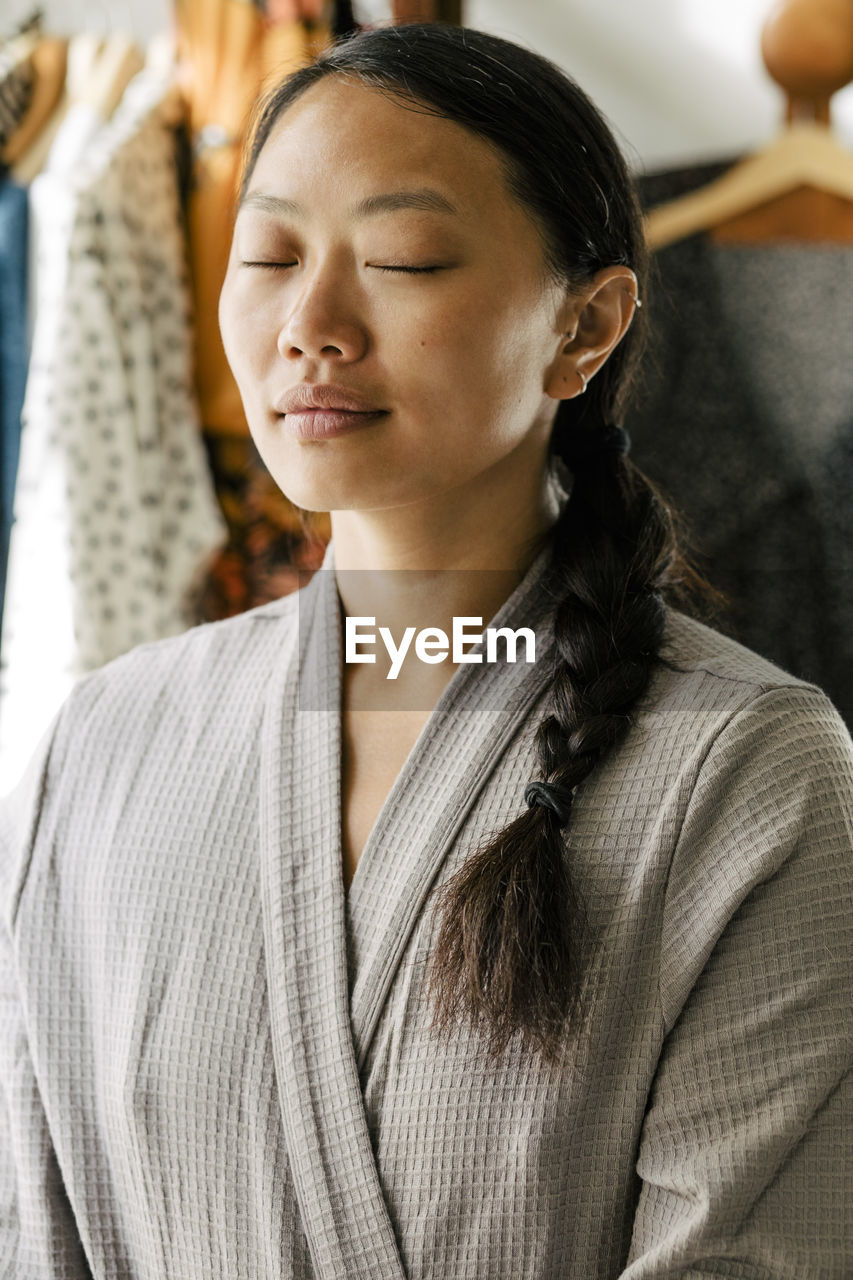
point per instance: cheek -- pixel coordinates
(241, 325)
(484, 365)
(448, 352)
(229, 322)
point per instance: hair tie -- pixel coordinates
(550, 796)
(583, 445)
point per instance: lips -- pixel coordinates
(307, 397)
(323, 412)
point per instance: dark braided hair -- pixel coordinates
(506, 956)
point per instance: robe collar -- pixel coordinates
(330, 959)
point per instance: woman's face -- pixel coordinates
(381, 268)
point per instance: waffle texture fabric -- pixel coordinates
(215, 1063)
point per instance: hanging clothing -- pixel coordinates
(16, 83)
(271, 544)
(294, 10)
(216, 1063)
(14, 352)
(233, 51)
(230, 52)
(116, 517)
(746, 419)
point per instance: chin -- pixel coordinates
(326, 494)
(314, 479)
(324, 483)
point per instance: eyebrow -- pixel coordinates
(425, 199)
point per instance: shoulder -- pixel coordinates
(189, 687)
(747, 731)
(757, 746)
(696, 644)
(169, 714)
(744, 763)
(764, 768)
(708, 679)
(213, 660)
(722, 741)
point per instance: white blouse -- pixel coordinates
(116, 514)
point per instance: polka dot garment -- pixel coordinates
(116, 517)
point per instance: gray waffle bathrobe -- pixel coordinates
(216, 1064)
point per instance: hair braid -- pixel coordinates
(507, 950)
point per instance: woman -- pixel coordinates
(499, 968)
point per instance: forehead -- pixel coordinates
(344, 139)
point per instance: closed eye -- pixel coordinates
(413, 271)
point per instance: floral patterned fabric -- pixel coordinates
(270, 544)
(116, 515)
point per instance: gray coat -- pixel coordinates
(746, 421)
(216, 1064)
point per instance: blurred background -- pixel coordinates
(680, 80)
(133, 502)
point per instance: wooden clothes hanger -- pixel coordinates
(97, 70)
(801, 186)
(161, 60)
(403, 11)
(49, 60)
(118, 63)
(81, 56)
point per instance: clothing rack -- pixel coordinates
(83, 112)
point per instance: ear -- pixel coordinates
(593, 322)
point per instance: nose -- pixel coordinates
(321, 321)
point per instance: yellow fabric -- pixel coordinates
(229, 54)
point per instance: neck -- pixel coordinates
(496, 523)
(456, 554)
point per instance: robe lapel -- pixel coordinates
(320, 1034)
(477, 716)
(343, 1211)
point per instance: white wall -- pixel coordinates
(681, 80)
(143, 18)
